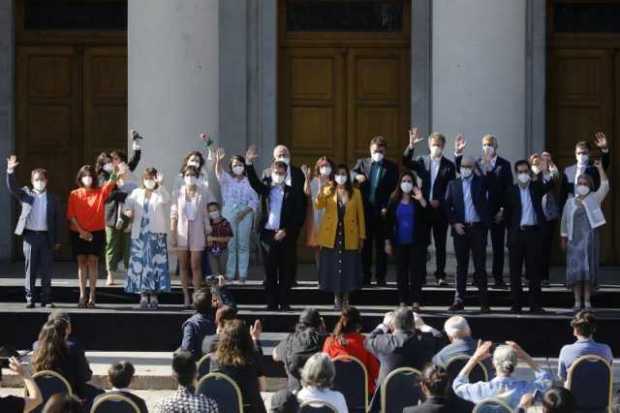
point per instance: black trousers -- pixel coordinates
(548, 231)
(39, 259)
(410, 263)
(438, 225)
(498, 243)
(474, 242)
(524, 247)
(374, 244)
(279, 260)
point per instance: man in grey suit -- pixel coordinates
(39, 225)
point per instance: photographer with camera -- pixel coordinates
(10, 404)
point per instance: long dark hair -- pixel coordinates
(102, 159)
(87, 170)
(51, 345)
(348, 186)
(397, 195)
(189, 155)
(320, 162)
(235, 347)
(350, 322)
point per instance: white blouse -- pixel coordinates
(237, 193)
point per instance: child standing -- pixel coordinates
(217, 242)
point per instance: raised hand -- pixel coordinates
(159, 178)
(251, 154)
(256, 330)
(598, 164)
(459, 144)
(11, 162)
(220, 153)
(600, 140)
(483, 350)
(417, 194)
(305, 170)
(414, 137)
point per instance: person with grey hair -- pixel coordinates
(317, 378)
(397, 343)
(504, 386)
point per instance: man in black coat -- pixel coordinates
(279, 226)
(524, 216)
(377, 178)
(436, 171)
(499, 178)
(439, 397)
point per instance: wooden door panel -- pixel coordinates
(378, 100)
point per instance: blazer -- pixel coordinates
(136, 399)
(422, 167)
(177, 211)
(26, 196)
(354, 221)
(454, 205)
(420, 229)
(292, 213)
(160, 198)
(592, 204)
(512, 202)
(386, 185)
(567, 186)
(450, 404)
(499, 178)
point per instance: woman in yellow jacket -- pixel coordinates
(341, 237)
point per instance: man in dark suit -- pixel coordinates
(120, 376)
(436, 171)
(279, 226)
(499, 178)
(39, 223)
(295, 179)
(584, 165)
(377, 178)
(524, 216)
(439, 397)
(467, 209)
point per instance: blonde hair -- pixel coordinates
(437, 136)
(489, 137)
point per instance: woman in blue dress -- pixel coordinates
(148, 272)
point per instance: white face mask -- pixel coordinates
(488, 150)
(193, 163)
(582, 158)
(465, 172)
(87, 181)
(214, 214)
(377, 156)
(149, 184)
(325, 170)
(523, 178)
(340, 179)
(190, 180)
(277, 179)
(238, 169)
(39, 185)
(582, 190)
(536, 169)
(108, 167)
(284, 158)
(406, 187)
(436, 151)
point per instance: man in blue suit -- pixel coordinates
(39, 224)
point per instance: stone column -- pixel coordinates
(173, 78)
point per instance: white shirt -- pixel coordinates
(434, 172)
(528, 216)
(471, 215)
(37, 219)
(579, 170)
(335, 398)
(276, 198)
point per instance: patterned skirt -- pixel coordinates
(148, 270)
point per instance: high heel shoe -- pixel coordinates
(154, 303)
(91, 304)
(82, 302)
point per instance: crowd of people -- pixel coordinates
(353, 218)
(233, 348)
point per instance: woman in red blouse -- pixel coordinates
(346, 340)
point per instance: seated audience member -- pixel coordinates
(222, 315)
(185, 400)
(284, 401)
(298, 346)
(63, 403)
(236, 356)
(439, 398)
(615, 404)
(503, 386)
(555, 400)
(461, 343)
(584, 326)
(317, 378)
(198, 326)
(33, 398)
(396, 343)
(347, 340)
(120, 376)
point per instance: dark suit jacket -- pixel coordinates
(386, 185)
(293, 207)
(422, 167)
(454, 205)
(442, 405)
(568, 177)
(499, 178)
(136, 399)
(25, 196)
(420, 233)
(512, 203)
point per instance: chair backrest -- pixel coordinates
(50, 383)
(590, 380)
(492, 406)
(456, 364)
(204, 366)
(352, 381)
(221, 388)
(400, 389)
(316, 406)
(114, 403)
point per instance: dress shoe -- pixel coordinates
(442, 282)
(47, 305)
(30, 304)
(485, 309)
(457, 306)
(537, 310)
(381, 283)
(515, 310)
(500, 285)
(285, 307)
(272, 308)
